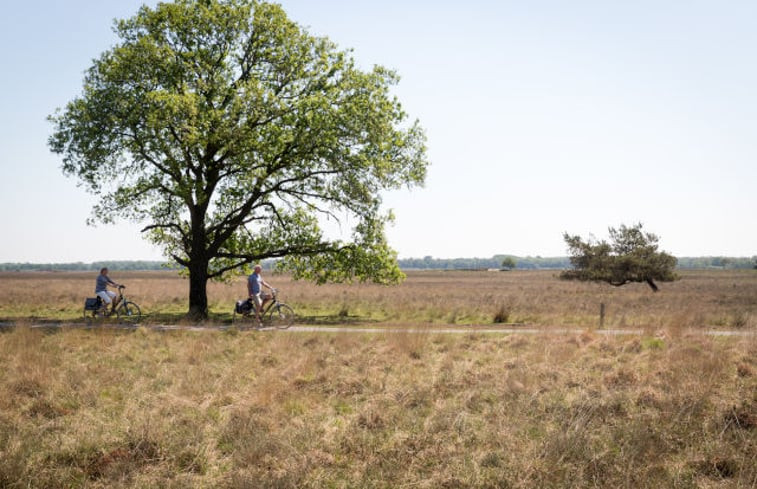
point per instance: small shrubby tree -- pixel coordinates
(630, 256)
(508, 263)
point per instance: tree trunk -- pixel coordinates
(652, 285)
(198, 296)
(198, 268)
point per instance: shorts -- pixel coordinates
(106, 295)
(259, 298)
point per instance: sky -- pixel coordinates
(542, 117)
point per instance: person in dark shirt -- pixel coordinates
(101, 289)
(255, 284)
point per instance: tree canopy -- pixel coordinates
(509, 263)
(231, 132)
(630, 256)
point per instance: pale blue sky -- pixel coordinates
(541, 116)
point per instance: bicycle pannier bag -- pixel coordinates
(91, 303)
(243, 306)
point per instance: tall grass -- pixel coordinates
(711, 299)
(102, 408)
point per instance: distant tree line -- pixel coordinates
(425, 263)
(496, 261)
(80, 266)
(557, 263)
(717, 262)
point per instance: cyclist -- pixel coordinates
(254, 290)
(101, 289)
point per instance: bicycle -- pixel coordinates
(275, 314)
(95, 309)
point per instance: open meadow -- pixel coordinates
(140, 408)
(144, 408)
(721, 299)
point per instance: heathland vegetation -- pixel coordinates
(425, 263)
(700, 299)
(662, 406)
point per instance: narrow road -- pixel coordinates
(481, 329)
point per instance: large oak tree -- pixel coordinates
(230, 132)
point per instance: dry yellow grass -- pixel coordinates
(709, 299)
(104, 408)
(141, 408)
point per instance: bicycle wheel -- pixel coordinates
(129, 312)
(94, 316)
(281, 316)
(242, 320)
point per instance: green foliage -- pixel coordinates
(523, 263)
(631, 256)
(509, 263)
(653, 343)
(230, 130)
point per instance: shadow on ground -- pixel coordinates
(179, 319)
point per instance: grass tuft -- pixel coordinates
(502, 315)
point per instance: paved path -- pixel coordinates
(389, 329)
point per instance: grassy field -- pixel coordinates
(711, 299)
(106, 408)
(141, 408)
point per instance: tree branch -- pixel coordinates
(280, 253)
(179, 260)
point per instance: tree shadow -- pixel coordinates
(334, 320)
(222, 319)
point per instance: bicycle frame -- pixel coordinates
(274, 300)
(276, 313)
(120, 299)
(126, 310)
